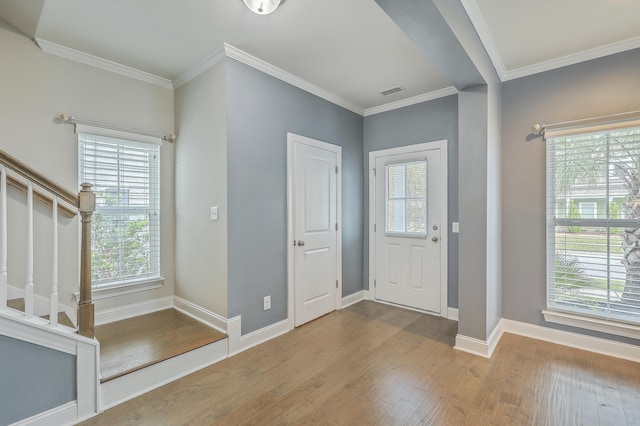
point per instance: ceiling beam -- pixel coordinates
(22, 15)
(424, 24)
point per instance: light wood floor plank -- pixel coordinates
(135, 343)
(373, 364)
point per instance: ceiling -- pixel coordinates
(350, 49)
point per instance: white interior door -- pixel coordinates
(408, 229)
(315, 192)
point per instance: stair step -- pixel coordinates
(63, 318)
(135, 343)
(17, 304)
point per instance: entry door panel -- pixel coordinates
(408, 229)
(315, 255)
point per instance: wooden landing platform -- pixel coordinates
(135, 343)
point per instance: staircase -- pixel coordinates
(128, 357)
(26, 315)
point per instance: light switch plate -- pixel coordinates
(455, 227)
(214, 213)
(267, 303)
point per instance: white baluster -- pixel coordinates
(3, 238)
(53, 316)
(28, 288)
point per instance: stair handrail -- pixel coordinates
(49, 192)
(38, 178)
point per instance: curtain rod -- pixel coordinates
(66, 118)
(540, 128)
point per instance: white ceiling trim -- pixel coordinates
(95, 61)
(201, 66)
(474, 13)
(586, 55)
(447, 91)
(287, 77)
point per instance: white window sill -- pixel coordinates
(595, 324)
(123, 289)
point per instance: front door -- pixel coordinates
(315, 189)
(408, 229)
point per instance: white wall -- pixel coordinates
(35, 87)
(201, 182)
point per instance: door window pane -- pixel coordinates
(406, 198)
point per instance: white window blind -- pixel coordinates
(406, 198)
(126, 224)
(593, 223)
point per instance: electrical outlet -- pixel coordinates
(267, 303)
(455, 227)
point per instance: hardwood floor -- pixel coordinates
(135, 343)
(376, 364)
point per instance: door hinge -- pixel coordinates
(336, 283)
(336, 226)
(374, 227)
(336, 169)
(374, 283)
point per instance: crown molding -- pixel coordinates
(447, 91)
(201, 66)
(585, 55)
(95, 61)
(479, 23)
(287, 77)
(481, 27)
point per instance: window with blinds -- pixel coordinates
(593, 223)
(126, 224)
(406, 198)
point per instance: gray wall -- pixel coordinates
(473, 112)
(33, 379)
(424, 122)
(603, 86)
(260, 111)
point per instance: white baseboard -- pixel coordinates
(573, 340)
(201, 314)
(452, 314)
(352, 299)
(127, 387)
(472, 345)
(483, 348)
(551, 335)
(63, 415)
(239, 343)
(136, 309)
(368, 295)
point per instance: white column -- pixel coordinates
(28, 288)
(3, 238)
(53, 315)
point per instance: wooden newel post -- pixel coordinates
(85, 306)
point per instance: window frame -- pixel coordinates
(153, 279)
(602, 320)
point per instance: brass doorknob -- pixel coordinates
(300, 243)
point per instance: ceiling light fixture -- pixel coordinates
(262, 7)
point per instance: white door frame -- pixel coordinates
(444, 236)
(292, 138)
